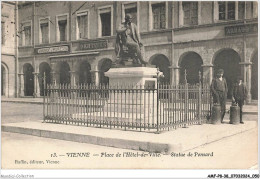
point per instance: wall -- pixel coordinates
(8, 48)
(8, 18)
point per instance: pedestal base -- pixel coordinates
(132, 77)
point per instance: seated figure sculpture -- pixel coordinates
(128, 44)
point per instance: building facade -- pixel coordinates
(8, 50)
(73, 42)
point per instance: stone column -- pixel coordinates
(246, 66)
(72, 78)
(175, 75)
(172, 80)
(55, 78)
(95, 75)
(207, 74)
(36, 92)
(21, 84)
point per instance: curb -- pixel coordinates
(165, 147)
(22, 102)
(109, 142)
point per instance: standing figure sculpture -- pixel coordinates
(128, 42)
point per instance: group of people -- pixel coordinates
(220, 89)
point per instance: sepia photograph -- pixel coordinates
(129, 85)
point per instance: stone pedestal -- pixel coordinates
(132, 76)
(132, 95)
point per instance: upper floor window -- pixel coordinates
(159, 16)
(26, 35)
(105, 27)
(82, 25)
(44, 31)
(2, 33)
(62, 32)
(241, 9)
(190, 13)
(226, 10)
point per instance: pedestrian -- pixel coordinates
(219, 90)
(239, 95)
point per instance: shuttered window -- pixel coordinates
(45, 32)
(82, 26)
(27, 35)
(190, 10)
(62, 30)
(159, 18)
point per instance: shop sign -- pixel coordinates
(63, 48)
(93, 45)
(241, 29)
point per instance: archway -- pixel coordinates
(84, 73)
(64, 73)
(191, 62)
(28, 79)
(228, 60)
(104, 66)
(3, 80)
(44, 68)
(254, 77)
(162, 62)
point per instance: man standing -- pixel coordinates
(130, 37)
(239, 95)
(219, 90)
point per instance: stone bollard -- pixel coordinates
(216, 114)
(234, 114)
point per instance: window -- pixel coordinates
(3, 33)
(105, 27)
(44, 31)
(82, 25)
(241, 10)
(226, 10)
(62, 30)
(61, 25)
(106, 23)
(27, 35)
(190, 10)
(159, 16)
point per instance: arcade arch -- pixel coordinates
(64, 73)
(104, 66)
(44, 68)
(84, 73)
(28, 79)
(192, 63)
(228, 60)
(163, 63)
(4, 79)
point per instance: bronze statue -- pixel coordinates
(128, 43)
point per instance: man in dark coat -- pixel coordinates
(219, 90)
(128, 35)
(239, 95)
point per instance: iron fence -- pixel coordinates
(133, 107)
